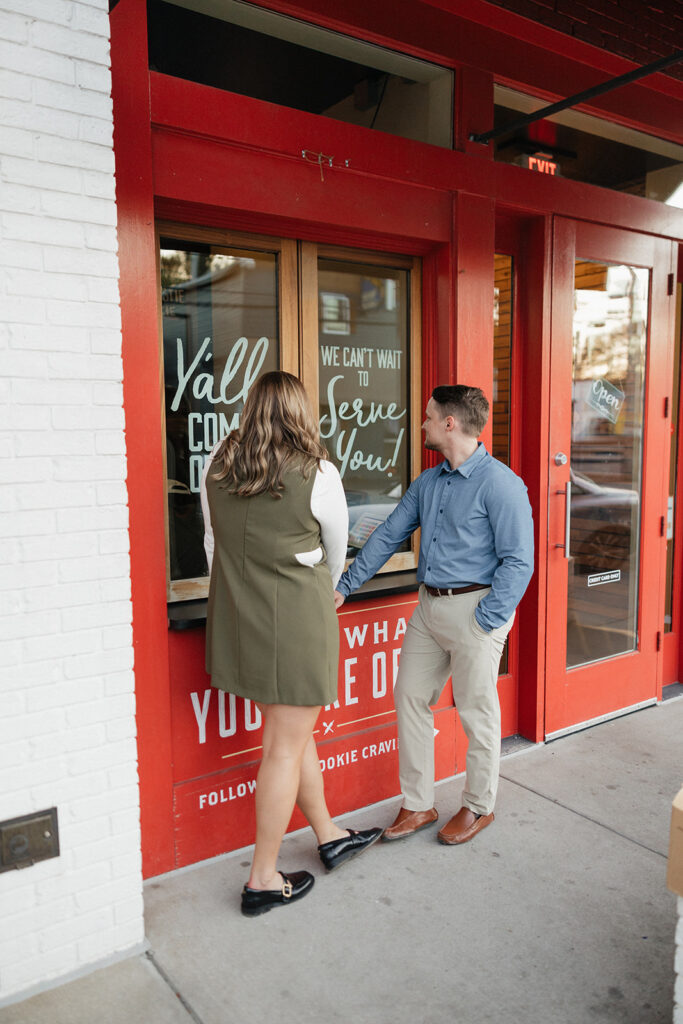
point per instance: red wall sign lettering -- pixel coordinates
(217, 736)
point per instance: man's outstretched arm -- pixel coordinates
(381, 544)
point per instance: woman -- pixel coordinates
(276, 515)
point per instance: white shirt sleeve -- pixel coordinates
(206, 512)
(328, 505)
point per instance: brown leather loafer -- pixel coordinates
(409, 822)
(463, 827)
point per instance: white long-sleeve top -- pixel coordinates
(328, 506)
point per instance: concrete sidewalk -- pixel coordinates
(556, 914)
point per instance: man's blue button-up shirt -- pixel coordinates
(476, 528)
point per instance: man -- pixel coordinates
(476, 560)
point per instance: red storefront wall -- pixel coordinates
(217, 737)
(197, 155)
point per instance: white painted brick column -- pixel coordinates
(67, 704)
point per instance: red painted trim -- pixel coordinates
(186, 114)
(665, 668)
(517, 50)
(190, 168)
(474, 270)
(678, 527)
(198, 110)
(582, 202)
(438, 328)
(253, 222)
(474, 109)
(673, 641)
(445, 304)
(528, 32)
(528, 240)
(670, 652)
(143, 404)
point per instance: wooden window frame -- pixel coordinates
(297, 281)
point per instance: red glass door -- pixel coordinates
(609, 437)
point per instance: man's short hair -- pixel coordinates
(469, 405)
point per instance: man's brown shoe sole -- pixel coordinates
(410, 831)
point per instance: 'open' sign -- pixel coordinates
(606, 399)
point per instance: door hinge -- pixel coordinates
(666, 408)
(662, 526)
(659, 641)
(670, 284)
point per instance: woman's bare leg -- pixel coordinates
(286, 732)
(311, 797)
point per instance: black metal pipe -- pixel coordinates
(580, 97)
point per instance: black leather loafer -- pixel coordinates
(340, 850)
(259, 901)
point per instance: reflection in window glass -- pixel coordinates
(610, 336)
(363, 378)
(245, 49)
(571, 144)
(220, 332)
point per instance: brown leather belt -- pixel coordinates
(452, 591)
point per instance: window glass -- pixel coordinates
(220, 332)
(610, 343)
(363, 381)
(235, 307)
(247, 50)
(571, 144)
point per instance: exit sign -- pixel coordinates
(542, 164)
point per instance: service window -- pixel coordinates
(234, 307)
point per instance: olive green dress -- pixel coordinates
(272, 629)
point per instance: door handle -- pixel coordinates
(567, 518)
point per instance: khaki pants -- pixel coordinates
(443, 638)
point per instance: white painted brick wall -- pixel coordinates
(67, 704)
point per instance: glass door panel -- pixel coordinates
(607, 404)
(363, 381)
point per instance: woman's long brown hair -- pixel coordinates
(277, 430)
